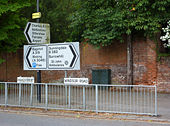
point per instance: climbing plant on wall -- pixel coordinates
(101, 21)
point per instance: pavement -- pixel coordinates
(163, 112)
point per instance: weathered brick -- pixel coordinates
(146, 69)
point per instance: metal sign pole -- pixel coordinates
(38, 20)
(38, 72)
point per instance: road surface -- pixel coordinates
(19, 119)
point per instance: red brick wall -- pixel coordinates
(3, 68)
(147, 70)
(144, 62)
(163, 74)
(13, 67)
(113, 57)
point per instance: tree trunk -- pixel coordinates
(129, 60)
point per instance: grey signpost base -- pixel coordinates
(39, 86)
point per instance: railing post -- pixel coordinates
(66, 93)
(66, 86)
(96, 99)
(69, 97)
(6, 94)
(46, 96)
(19, 93)
(156, 110)
(31, 94)
(84, 98)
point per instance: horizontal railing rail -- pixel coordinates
(130, 99)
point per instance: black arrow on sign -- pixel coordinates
(29, 39)
(72, 50)
(27, 57)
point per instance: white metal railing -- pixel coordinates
(132, 99)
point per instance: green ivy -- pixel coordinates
(102, 21)
(12, 22)
(159, 55)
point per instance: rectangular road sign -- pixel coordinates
(37, 33)
(63, 56)
(57, 56)
(76, 81)
(35, 57)
(25, 79)
(36, 15)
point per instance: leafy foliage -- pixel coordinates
(56, 13)
(97, 21)
(101, 21)
(12, 22)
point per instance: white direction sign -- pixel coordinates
(35, 57)
(37, 33)
(62, 56)
(58, 56)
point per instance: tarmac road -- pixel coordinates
(22, 119)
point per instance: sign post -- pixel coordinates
(60, 56)
(38, 72)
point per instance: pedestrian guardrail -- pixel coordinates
(130, 99)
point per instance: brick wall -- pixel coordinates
(13, 67)
(147, 70)
(163, 74)
(144, 61)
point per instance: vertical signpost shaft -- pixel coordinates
(38, 20)
(38, 72)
